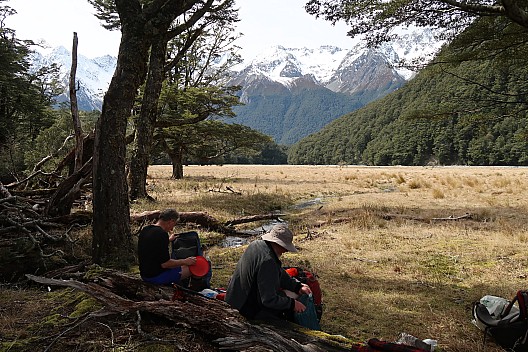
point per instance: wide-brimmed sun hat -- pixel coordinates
(281, 235)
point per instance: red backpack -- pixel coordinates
(307, 277)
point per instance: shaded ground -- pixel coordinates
(35, 319)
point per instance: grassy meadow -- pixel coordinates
(386, 243)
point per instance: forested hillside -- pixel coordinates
(292, 115)
(290, 93)
(468, 107)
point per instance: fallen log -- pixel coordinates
(207, 221)
(197, 217)
(27, 179)
(467, 216)
(222, 326)
(253, 218)
(43, 192)
(451, 217)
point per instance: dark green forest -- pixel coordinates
(288, 117)
(468, 108)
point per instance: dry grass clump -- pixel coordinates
(438, 193)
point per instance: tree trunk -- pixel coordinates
(140, 22)
(176, 157)
(61, 202)
(148, 116)
(112, 243)
(74, 109)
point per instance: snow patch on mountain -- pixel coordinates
(413, 46)
(93, 76)
(327, 66)
(285, 65)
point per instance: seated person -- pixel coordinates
(155, 264)
(259, 284)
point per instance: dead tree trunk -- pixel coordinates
(68, 191)
(74, 109)
(69, 160)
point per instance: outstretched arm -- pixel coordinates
(174, 263)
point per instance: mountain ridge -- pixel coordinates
(337, 80)
(438, 118)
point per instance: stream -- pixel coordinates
(235, 241)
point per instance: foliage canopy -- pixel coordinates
(468, 107)
(377, 19)
(25, 98)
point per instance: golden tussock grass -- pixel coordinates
(384, 241)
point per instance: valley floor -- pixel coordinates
(396, 249)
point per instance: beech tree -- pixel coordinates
(197, 90)
(140, 22)
(182, 37)
(208, 141)
(377, 19)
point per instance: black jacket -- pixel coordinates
(258, 281)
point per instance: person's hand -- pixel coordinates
(305, 289)
(189, 261)
(172, 237)
(299, 307)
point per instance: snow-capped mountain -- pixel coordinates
(334, 67)
(277, 83)
(288, 92)
(93, 75)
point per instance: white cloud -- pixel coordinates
(264, 23)
(54, 21)
(286, 23)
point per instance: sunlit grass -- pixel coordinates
(383, 240)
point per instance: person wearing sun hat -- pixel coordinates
(259, 284)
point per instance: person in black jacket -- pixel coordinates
(260, 288)
(155, 263)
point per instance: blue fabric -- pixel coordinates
(167, 277)
(308, 318)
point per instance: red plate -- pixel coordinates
(200, 268)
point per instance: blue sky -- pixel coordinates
(264, 23)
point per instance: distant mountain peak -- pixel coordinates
(93, 75)
(325, 60)
(288, 92)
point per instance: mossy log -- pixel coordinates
(213, 319)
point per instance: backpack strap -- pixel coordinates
(522, 298)
(509, 306)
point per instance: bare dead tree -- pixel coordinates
(74, 108)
